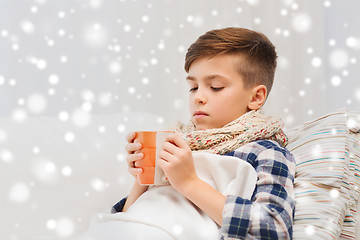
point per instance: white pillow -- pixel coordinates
(327, 177)
(350, 223)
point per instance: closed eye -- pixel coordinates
(193, 89)
(217, 89)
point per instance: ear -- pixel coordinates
(258, 97)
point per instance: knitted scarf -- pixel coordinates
(251, 126)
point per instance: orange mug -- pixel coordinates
(152, 142)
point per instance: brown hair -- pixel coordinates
(254, 48)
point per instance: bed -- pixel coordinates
(57, 174)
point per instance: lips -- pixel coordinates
(198, 114)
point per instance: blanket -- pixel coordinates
(163, 213)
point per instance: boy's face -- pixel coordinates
(217, 95)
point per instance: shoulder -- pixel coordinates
(257, 147)
(263, 149)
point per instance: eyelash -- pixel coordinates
(217, 89)
(213, 88)
(192, 89)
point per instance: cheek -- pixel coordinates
(225, 101)
(190, 103)
(223, 109)
(232, 106)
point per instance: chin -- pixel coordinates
(200, 128)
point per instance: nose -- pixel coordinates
(200, 97)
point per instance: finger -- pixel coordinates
(170, 147)
(133, 147)
(166, 156)
(135, 171)
(177, 140)
(131, 137)
(131, 158)
(164, 164)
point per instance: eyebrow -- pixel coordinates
(208, 78)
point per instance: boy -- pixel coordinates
(230, 74)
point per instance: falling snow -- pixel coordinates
(19, 193)
(302, 22)
(69, 137)
(6, 156)
(64, 227)
(310, 230)
(334, 193)
(37, 103)
(45, 170)
(53, 79)
(335, 81)
(77, 76)
(316, 62)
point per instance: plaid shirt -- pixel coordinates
(270, 212)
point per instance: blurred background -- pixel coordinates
(77, 75)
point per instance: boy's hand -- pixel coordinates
(177, 162)
(134, 154)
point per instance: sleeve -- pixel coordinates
(118, 207)
(269, 214)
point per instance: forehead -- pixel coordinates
(223, 65)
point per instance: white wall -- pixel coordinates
(128, 55)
